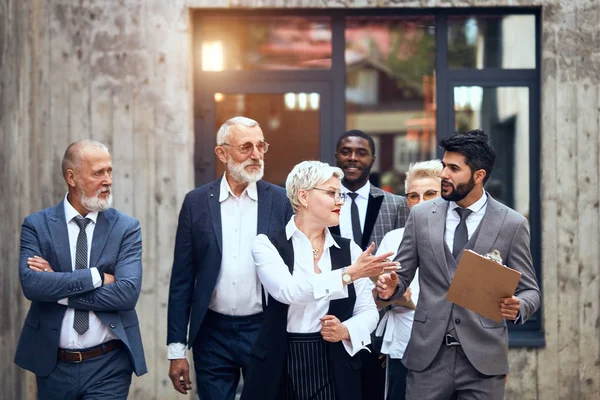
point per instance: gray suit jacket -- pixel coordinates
(385, 212)
(116, 249)
(484, 341)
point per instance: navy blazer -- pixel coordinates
(116, 249)
(198, 249)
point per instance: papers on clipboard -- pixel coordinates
(480, 282)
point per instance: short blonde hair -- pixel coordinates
(306, 176)
(423, 169)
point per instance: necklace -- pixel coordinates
(318, 249)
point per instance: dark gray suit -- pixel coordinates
(484, 341)
(116, 249)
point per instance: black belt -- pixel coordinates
(451, 340)
(86, 354)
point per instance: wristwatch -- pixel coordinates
(346, 277)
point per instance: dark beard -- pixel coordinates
(460, 192)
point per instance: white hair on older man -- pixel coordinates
(306, 176)
(225, 129)
(423, 169)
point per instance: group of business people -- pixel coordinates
(278, 285)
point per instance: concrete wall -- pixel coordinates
(120, 72)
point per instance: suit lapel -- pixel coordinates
(491, 224)
(214, 206)
(60, 237)
(104, 224)
(264, 207)
(373, 207)
(437, 227)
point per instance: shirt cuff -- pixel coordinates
(516, 320)
(360, 337)
(325, 285)
(176, 351)
(96, 279)
(64, 302)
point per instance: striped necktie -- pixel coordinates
(81, 322)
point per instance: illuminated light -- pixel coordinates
(212, 56)
(313, 100)
(290, 101)
(302, 101)
(219, 97)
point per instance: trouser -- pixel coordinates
(221, 350)
(100, 378)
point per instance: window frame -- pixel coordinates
(530, 334)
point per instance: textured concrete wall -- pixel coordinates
(120, 72)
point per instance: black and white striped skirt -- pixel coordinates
(307, 374)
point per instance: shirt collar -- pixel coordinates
(291, 229)
(71, 212)
(362, 192)
(226, 191)
(475, 207)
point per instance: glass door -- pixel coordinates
(294, 118)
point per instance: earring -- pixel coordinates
(306, 206)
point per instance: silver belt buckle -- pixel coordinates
(449, 337)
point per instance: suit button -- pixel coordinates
(457, 321)
(112, 326)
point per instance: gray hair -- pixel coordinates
(306, 176)
(74, 153)
(225, 129)
(423, 169)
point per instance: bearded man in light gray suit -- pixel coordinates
(81, 267)
(454, 351)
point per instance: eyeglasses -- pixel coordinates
(414, 197)
(336, 196)
(247, 148)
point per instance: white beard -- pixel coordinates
(239, 173)
(96, 203)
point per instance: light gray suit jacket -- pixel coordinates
(484, 341)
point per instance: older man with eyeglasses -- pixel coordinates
(214, 287)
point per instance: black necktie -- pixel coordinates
(356, 229)
(461, 235)
(81, 321)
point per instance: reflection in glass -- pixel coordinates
(284, 128)
(491, 41)
(265, 43)
(502, 112)
(390, 91)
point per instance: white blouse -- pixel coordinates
(308, 293)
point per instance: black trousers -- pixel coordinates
(372, 375)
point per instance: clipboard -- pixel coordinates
(479, 282)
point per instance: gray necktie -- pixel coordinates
(356, 229)
(461, 235)
(81, 321)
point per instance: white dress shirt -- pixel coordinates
(472, 221)
(98, 332)
(362, 201)
(309, 293)
(396, 324)
(237, 291)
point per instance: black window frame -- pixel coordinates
(530, 334)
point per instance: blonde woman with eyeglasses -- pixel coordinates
(422, 183)
(320, 310)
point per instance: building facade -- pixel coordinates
(153, 79)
